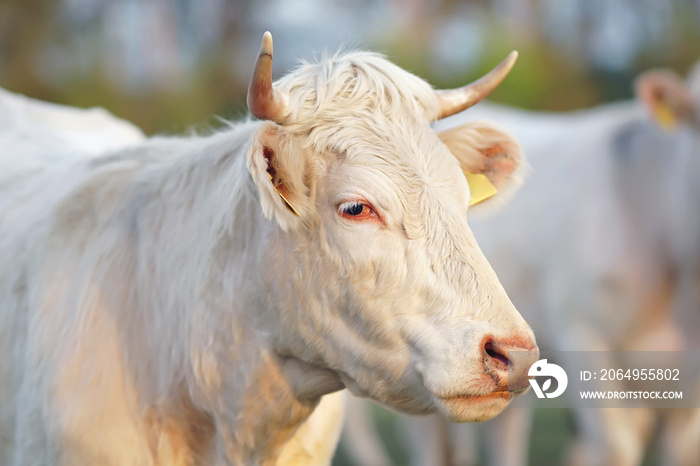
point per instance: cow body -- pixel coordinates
(163, 303)
(78, 351)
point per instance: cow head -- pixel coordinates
(377, 275)
(669, 98)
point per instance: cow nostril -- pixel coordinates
(491, 352)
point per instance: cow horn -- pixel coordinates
(455, 100)
(264, 102)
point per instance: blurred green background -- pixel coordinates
(167, 65)
(172, 65)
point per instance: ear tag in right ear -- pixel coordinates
(663, 114)
(291, 207)
(480, 187)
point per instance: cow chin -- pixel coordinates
(462, 408)
(475, 408)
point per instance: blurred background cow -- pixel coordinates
(168, 64)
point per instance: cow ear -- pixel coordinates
(276, 165)
(666, 97)
(482, 148)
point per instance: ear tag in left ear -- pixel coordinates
(663, 114)
(480, 187)
(291, 207)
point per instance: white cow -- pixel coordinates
(190, 300)
(600, 251)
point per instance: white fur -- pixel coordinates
(162, 305)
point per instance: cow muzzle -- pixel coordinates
(507, 361)
(486, 378)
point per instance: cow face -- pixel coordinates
(377, 275)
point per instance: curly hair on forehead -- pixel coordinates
(362, 82)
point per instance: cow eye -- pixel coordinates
(357, 211)
(353, 209)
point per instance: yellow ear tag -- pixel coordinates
(284, 198)
(288, 204)
(480, 187)
(664, 115)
